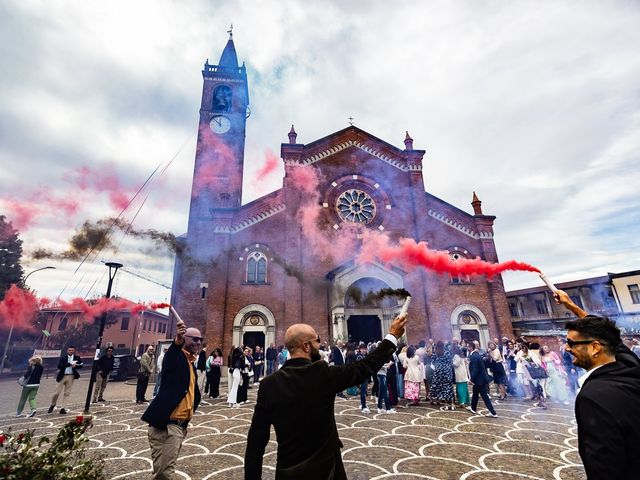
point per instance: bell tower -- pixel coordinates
(217, 178)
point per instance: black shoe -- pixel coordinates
(51, 407)
(138, 401)
(144, 400)
(101, 400)
(95, 401)
(62, 411)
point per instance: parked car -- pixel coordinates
(124, 366)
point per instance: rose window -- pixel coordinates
(356, 206)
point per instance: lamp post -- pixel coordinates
(6, 347)
(113, 269)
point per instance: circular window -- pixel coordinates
(356, 206)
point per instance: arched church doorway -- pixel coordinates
(364, 328)
(469, 323)
(254, 325)
(367, 312)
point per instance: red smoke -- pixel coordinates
(408, 254)
(271, 161)
(21, 214)
(338, 245)
(99, 180)
(218, 167)
(19, 308)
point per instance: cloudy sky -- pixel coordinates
(532, 104)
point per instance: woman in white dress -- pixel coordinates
(236, 366)
(556, 382)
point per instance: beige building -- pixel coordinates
(534, 313)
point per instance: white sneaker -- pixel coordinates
(472, 411)
(492, 415)
(365, 410)
(391, 410)
(381, 411)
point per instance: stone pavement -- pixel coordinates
(417, 442)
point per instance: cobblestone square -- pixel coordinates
(524, 442)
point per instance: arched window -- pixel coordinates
(256, 268)
(458, 253)
(221, 99)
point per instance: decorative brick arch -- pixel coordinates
(482, 327)
(240, 326)
(347, 277)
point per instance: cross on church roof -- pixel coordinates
(350, 121)
(230, 31)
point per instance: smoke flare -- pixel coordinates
(410, 254)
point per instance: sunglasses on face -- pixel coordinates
(317, 339)
(195, 339)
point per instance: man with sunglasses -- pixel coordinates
(298, 400)
(170, 411)
(607, 403)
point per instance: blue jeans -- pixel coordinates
(383, 392)
(271, 366)
(363, 394)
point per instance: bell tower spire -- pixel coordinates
(217, 178)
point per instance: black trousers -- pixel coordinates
(141, 387)
(242, 389)
(483, 391)
(213, 377)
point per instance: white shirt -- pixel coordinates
(69, 370)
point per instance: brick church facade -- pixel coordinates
(245, 273)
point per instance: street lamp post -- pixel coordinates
(113, 269)
(6, 347)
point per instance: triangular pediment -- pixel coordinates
(354, 137)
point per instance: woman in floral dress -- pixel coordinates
(442, 384)
(412, 376)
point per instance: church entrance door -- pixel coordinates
(470, 335)
(364, 328)
(251, 339)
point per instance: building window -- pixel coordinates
(63, 324)
(634, 291)
(356, 206)
(541, 307)
(576, 299)
(513, 309)
(124, 326)
(458, 253)
(257, 268)
(144, 327)
(222, 99)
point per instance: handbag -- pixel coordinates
(22, 381)
(535, 370)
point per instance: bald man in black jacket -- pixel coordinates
(298, 400)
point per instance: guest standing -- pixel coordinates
(480, 381)
(146, 368)
(271, 357)
(68, 367)
(461, 373)
(236, 364)
(105, 365)
(214, 372)
(31, 385)
(442, 381)
(413, 376)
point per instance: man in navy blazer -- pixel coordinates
(298, 400)
(480, 380)
(68, 367)
(170, 411)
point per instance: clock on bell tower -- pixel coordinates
(217, 177)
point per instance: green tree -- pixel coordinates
(10, 254)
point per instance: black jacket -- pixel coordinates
(202, 360)
(336, 356)
(33, 374)
(478, 370)
(607, 416)
(272, 354)
(105, 365)
(63, 364)
(173, 388)
(298, 400)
